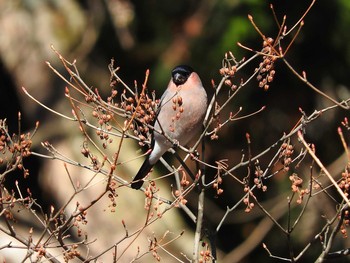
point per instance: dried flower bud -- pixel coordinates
(228, 82)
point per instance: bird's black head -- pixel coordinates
(181, 73)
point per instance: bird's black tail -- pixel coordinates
(142, 173)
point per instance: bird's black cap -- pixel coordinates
(181, 73)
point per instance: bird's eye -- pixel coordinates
(180, 74)
(179, 79)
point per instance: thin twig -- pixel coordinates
(324, 169)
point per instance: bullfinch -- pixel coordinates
(180, 116)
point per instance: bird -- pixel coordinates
(180, 116)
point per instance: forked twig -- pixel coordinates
(324, 169)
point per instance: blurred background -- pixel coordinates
(158, 35)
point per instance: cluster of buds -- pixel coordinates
(258, 177)
(214, 135)
(344, 183)
(266, 72)
(184, 180)
(246, 200)
(286, 152)
(112, 197)
(205, 254)
(40, 252)
(143, 112)
(180, 198)
(8, 215)
(153, 246)
(228, 73)
(3, 142)
(95, 162)
(21, 144)
(114, 93)
(178, 194)
(221, 167)
(345, 123)
(151, 189)
(229, 69)
(297, 187)
(216, 185)
(343, 230)
(85, 150)
(80, 219)
(71, 253)
(156, 206)
(178, 110)
(24, 144)
(104, 119)
(16, 145)
(7, 202)
(346, 222)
